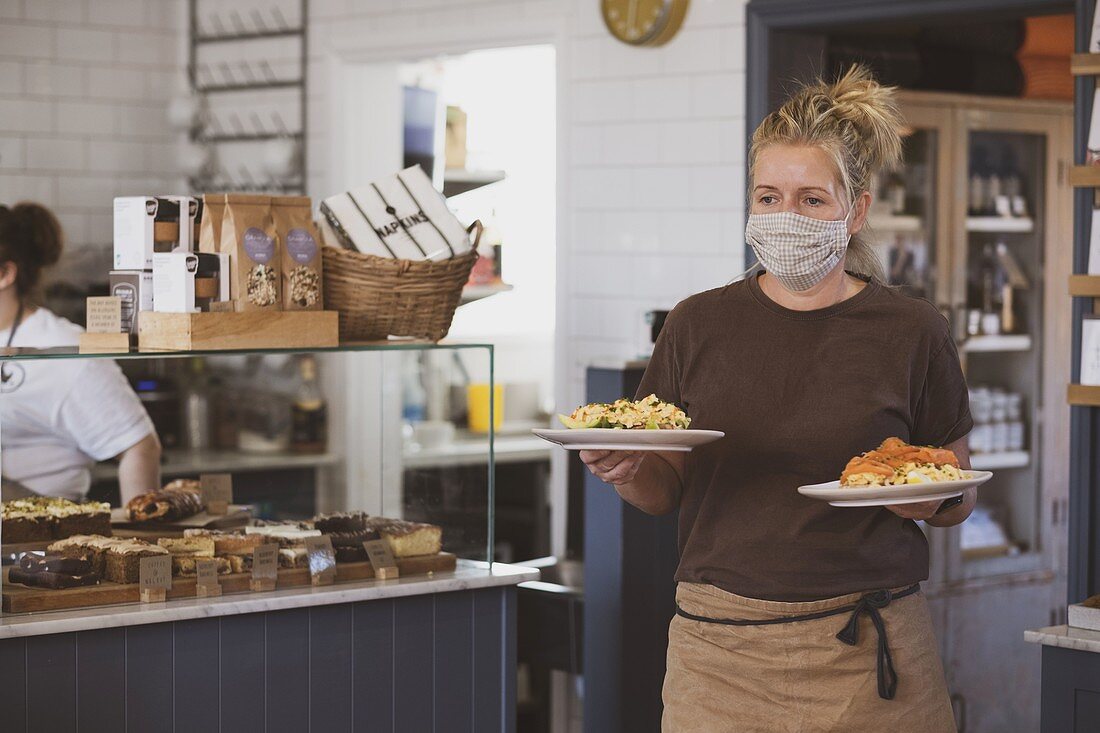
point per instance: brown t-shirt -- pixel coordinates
(798, 393)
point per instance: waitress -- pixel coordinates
(795, 615)
(59, 416)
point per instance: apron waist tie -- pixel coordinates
(869, 603)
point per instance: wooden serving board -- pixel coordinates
(244, 330)
(22, 599)
(238, 516)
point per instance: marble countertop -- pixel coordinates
(1067, 637)
(468, 575)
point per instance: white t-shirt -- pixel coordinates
(59, 416)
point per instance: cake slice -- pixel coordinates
(124, 560)
(187, 565)
(89, 518)
(408, 539)
(192, 546)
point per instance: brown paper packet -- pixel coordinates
(248, 235)
(300, 248)
(210, 225)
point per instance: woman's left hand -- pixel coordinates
(920, 510)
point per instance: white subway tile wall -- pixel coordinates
(83, 89)
(652, 139)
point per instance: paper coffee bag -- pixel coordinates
(248, 236)
(210, 225)
(300, 246)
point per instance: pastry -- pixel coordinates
(43, 518)
(180, 499)
(239, 563)
(228, 543)
(193, 546)
(341, 522)
(88, 518)
(47, 579)
(187, 565)
(293, 557)
(348, 546)
(18, 527)
(124, 560)
(287, 535)
(408, 539)
(53, 571)
(91, 547)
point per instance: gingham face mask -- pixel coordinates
(796, 250)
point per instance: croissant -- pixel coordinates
(180, 499)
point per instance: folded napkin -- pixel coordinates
(401, 216)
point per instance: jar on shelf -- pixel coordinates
(998, 433)
(980, 410)
(1014, 420)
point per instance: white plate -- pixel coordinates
(832, 492)
(611, 439)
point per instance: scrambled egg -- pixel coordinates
(648, 413)
(908, 473)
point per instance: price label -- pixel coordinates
(381, 558)
(104, 314)
(206, 573)
(217, 492)
(322, 559)
(155, 572)
(265, 562)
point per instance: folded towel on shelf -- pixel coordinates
(401, 217)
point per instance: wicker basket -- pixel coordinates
(378, 297)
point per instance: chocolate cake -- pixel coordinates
(53, 571)
(341, 522)
(348, 546)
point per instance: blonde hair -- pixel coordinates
(856, 121)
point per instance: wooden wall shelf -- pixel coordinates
(1083, 394)
(1083, 176)
(1084, 286)
(1084, 64)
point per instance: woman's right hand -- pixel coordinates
(613, 467)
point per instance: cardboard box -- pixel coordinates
(146, 225)
(135, 289)
(174, 282)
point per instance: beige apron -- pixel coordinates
(797, 677)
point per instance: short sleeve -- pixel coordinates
(943, 410)
(662, 374)
(101, 413)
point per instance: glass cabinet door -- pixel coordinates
(1000, 221)
(906, 222)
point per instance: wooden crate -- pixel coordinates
(244, 330)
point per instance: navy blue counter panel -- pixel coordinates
(443, 663)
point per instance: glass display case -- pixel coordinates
(303, 436)
(972, 221)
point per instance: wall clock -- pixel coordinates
(644, 22)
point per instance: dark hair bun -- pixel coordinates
(31, 239)
(42, 230)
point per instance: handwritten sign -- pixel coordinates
(322, 560)
(206, 577)
(104, 314)
(265, 562)
(154, 577)
(381, 559)
(217, 492)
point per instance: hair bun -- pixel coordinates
(40, 230)
(872, 110)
